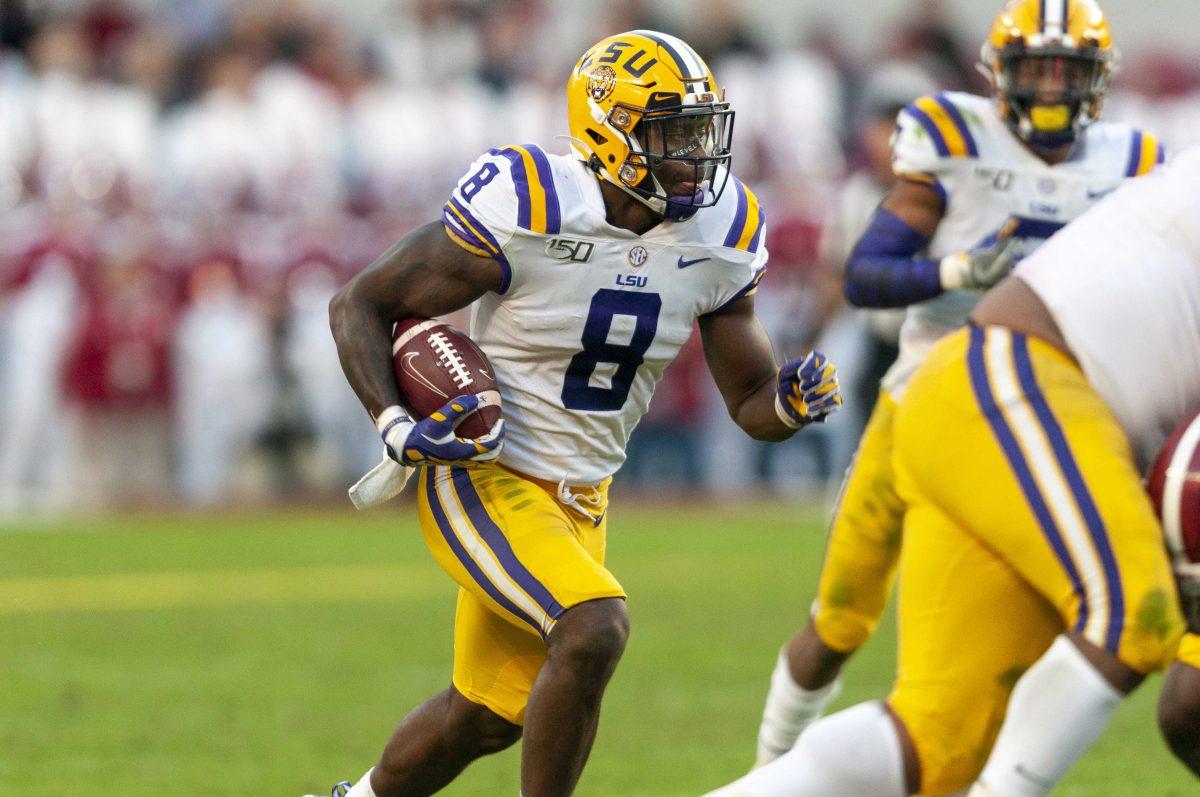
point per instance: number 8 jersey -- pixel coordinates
(589, 315)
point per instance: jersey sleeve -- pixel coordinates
(932, 141)
(481, 213)
(744, 249)
(1145, 152)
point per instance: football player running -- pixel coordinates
(1032, 553)
(981, 182)
(587, 273)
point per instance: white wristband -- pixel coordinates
(391, 423)
(783, 415)
(953, 271)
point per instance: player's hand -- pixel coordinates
(433, 441)
(807, 391)
(980, 269)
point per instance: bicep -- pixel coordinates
(424, 275)
(917, 204)
(738, 351)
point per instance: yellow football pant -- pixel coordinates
(864, 541)
(1026, 519)
(521, 559)
(1189, 650)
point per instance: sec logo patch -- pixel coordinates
(638, 255)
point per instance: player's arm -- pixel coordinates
(885, 269)
(767, 402)
(424, 275)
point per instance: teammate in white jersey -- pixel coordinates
(981, 182)
(588, 273)
(1032, 553)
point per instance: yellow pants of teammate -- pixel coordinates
(521, 558)
(864, 541)
(1026, 518)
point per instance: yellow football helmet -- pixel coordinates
(1049, 62)
(646, 114)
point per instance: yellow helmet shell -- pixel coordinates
(1049, 27)
(618, 82)
(1034, 23)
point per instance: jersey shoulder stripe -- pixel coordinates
(469, 233)
(944, 123)
(538, 207)
(460, 221)
(745, 232)
(1145, 152)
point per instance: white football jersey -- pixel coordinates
(1123, 284)
(589, 314)
(959, 144)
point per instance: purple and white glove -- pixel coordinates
(807, 391)
(433, 441)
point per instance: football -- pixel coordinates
(1174, 485)
(434, 363)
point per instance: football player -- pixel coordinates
(587, 273)
(981, 182)
(1032, 553)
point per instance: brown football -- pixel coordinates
(434, 363)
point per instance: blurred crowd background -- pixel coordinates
(185, 183)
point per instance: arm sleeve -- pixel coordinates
(743, 281)
(481, 213)
(883, 271)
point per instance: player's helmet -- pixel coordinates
(646, 114)
(1174, 485)
(1049, 62)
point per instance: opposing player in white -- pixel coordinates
(981, 182)
(587, 273)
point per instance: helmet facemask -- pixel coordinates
(1051, 93)
(674, 155)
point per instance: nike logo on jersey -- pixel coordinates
(1097, 194)
(685, 263)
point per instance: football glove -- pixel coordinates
(433, 441)
(981, 268)
(807, 391)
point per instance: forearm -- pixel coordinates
(879, 280)
(887, 267)
(363, 339)
(756, 414)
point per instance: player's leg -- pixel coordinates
(564, 705)
(434, 743)
(852, 753)
(856, 577)
(969, 627)
(1179, 704)
(549, 624)
(1064, 507)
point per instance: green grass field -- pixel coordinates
(272, 654)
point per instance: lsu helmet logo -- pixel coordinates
(601, 82)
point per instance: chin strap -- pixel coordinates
(679, 210)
